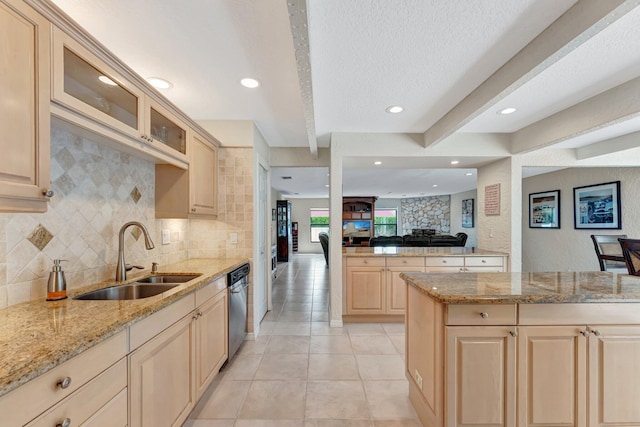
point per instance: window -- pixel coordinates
(386, 222)
(319, 222)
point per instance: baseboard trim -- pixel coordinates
(336, 324)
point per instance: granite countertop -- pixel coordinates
(37, 336)
(527, 288)
(431, 251)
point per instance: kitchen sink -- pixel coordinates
(125, 292)
(168, 278)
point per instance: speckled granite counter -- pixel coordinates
(434, 251)
(39, 335)
(497, 288)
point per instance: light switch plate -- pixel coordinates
(166, 237)
(234, 238)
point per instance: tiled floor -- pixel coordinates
(302, 373)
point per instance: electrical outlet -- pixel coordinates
(418, 378)
(234, 238)
(166, 237)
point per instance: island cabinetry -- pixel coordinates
(97, 378)
(24, 110)
(190, 193)
(90, 91)
(365, 285)
(448, 264)
(396, 288)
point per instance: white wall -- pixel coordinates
(568, 249)
(456, 216)
(300, 212)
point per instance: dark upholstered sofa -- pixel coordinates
(410, 240)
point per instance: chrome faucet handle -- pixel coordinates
(154, 267)
(130, 267)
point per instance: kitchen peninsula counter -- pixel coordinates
(39, 335)
(523, 348)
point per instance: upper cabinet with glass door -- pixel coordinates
(98, 98)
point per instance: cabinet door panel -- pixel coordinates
(24, 109)
(202, 170)
(397, 289)
(551, 376)
(211, 340)
(161, 378)
(365, 290)
(481, 376)
(614, 367)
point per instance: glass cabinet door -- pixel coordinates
(167, 132)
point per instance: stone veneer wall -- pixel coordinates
(426, 212)
(97, 190)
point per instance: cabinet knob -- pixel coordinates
(64, 383)
(47, 192)
(484, 315)
(193, 209)
(513, 333)
(461, 269)
(484, 261)
(365, 262)
(585, 333)
(596, 332)
(444, 261)
(65, 423)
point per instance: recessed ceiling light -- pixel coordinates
(159, 83)
(435, 185)
(469, 173)
(250, 83)
(106, 80)
(377, 163)
(454, 162)
(506, 111)
(394, 109)
(326, 185)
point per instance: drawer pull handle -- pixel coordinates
(64, 383)
(513, 333)
(484, 315)
(65, 423)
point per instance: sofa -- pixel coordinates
(412, 240)
(324, 242)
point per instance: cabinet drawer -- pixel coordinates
(405, 261)
(88, 400)
(210, 290)
(488, 261)
(151, 326)
(579, 314)
(38, 395)
(481, 314)
(113, 414)
(365, 262)
(438, 261)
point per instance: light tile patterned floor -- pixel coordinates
(302, 373)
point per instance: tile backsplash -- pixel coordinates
(96, 191)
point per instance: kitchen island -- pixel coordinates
(373, 289)
(525, 349)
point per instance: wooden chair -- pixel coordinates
(631, 254)
(609, 252)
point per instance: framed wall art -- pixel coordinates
(544, 209)
(467, 213)
(597, 206)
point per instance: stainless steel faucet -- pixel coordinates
(122, 267)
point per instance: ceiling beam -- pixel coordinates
(300, 34)
(613, 145)
(614, 106)
(581, 22)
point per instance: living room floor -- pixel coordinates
(302, 373)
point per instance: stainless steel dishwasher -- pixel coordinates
(238, 282)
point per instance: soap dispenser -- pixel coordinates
(57, 286)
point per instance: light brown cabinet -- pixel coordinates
(211, 343)
(24, 112)
(162, 378)
(89, 92)
(193, 192)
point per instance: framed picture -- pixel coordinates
(597, 206)
(467, 213)
(544, 209)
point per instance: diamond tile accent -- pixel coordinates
(135, 195)
(40, 237)
(136, 233)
